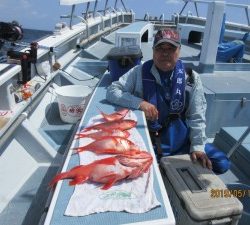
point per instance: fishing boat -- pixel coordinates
(38, 120)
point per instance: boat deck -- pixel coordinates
(227, 93)
(190, 56)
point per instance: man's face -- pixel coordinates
(165, 56)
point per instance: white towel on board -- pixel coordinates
(133, 196)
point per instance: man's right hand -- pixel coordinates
(149, 109)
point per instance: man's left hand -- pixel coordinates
(202, 157)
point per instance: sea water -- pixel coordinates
(29, 35)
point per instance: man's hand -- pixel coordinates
(202, 157)
(150, 110)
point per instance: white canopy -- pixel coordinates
(74, 2)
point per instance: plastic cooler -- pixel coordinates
(122, 59)
(197, 195)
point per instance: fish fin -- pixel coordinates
(123, 112)
(110, 182)
(136, 173)
(127, 134)
(140, 170)
(147, 166)
(78, 180)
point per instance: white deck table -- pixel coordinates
(162, 215)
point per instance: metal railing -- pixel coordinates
(245, 7)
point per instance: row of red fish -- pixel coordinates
(110, 137)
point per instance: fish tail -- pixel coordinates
(101, 112)
(58, 177)
(79, 135)
(86, 129)
(78, 150)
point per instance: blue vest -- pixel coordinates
(174, 132)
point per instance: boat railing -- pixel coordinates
(122, 5)
(211, 56)
(101, 16)
(234, 5)
(176, 18)
(82, 19)
(157, 20)
(189, 13)
(245, 7)
(162, 18)
(92, 13)
(65, 47)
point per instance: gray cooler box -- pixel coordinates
(197, 194)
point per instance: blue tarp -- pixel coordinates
(229, 51)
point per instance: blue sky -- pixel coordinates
(44, 14)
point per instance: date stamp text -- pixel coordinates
(226, 193)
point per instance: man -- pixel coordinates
(173, 102)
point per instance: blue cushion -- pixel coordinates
(218, 158)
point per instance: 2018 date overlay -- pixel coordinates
(226, 193)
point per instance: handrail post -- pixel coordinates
(247, 15)
(211, 36)
(71, 16)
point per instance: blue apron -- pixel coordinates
(169, 134)
(170, 102)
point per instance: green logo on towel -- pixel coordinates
(117, 195)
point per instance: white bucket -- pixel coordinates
(72, 101)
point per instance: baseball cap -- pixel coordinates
(168, 35)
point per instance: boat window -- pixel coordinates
(144, 37)
(128, 41)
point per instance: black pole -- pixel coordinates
(106, 3)
(87, 11)
(71, 16)
(115, 4)
(196, 9)
(183, 8)
(123, 5)
(95, 8)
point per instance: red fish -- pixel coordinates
(113, 125)
(107, 171)
(109, 145)
(102, 133)
(141, 161)
(115, 116)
